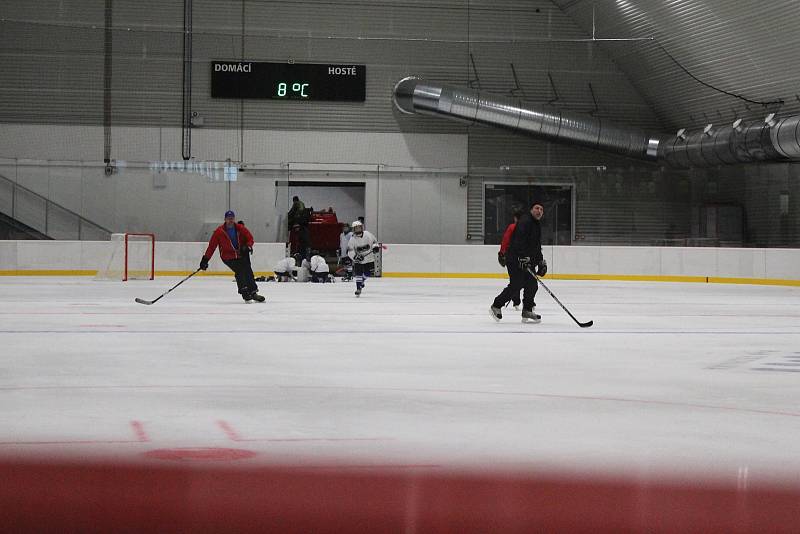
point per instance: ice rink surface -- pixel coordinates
(671, 378)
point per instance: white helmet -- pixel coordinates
(357, 226)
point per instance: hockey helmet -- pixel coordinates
(358, 227)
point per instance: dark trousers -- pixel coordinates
(364, 269)
(244, 274)
(520, 279)
(283, 277)
(319, 278)
(515, 297)
(347, 264)
(304, 242)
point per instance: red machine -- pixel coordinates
(323, 229)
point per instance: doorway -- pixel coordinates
(347, 199)
(502, 199)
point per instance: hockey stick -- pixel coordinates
(149, 302)
(587, 324)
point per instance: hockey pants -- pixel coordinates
(519, 280)
(244, 274)
(363, 271)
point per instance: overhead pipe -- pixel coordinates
(741, 142)
(773, 140)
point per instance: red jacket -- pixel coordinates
(507, 238)
(221, 239)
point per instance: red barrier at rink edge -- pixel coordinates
(72, 497)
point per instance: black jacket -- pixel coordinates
(527, 239)
(298, 214)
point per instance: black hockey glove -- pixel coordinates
(524, 262)
(244, 250)
(501, 259)
(359, 258)
(541, 268)
(376, 249)
(203, 263)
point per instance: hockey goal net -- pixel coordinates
(130, 256)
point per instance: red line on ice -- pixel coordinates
(229, 431)
(138, 429)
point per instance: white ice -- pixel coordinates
(671, 377)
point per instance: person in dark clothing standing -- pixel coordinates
(235, 244)
(296, 212)
(524, 252)
(298, 219)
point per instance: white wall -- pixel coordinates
(400, 207)
(779, 264)
(85, 143)
(422, 209)
(64, 164)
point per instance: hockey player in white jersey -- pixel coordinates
(362, 248)
(344, 259)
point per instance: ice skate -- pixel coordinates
(258, 298)
(496, 313)
(530, 316)
(359, 287)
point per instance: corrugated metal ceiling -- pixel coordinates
(746, 47)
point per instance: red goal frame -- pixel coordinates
(152, 254)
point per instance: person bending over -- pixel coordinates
(320, 272)
(284, 270)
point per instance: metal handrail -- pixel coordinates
(81, 219)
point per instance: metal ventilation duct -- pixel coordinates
(769, 140)
(773, 140)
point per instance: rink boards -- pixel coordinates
(667, 264)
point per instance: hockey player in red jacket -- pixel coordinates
(235, 244)
(501, 256)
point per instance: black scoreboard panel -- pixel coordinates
(288, 81)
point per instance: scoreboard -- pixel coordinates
(288, 81)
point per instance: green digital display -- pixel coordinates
(288, 81)
(299, 89)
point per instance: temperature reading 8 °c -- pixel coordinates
(297, 89)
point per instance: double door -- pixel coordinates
(502, 199)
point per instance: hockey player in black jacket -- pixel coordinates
(524, 252)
